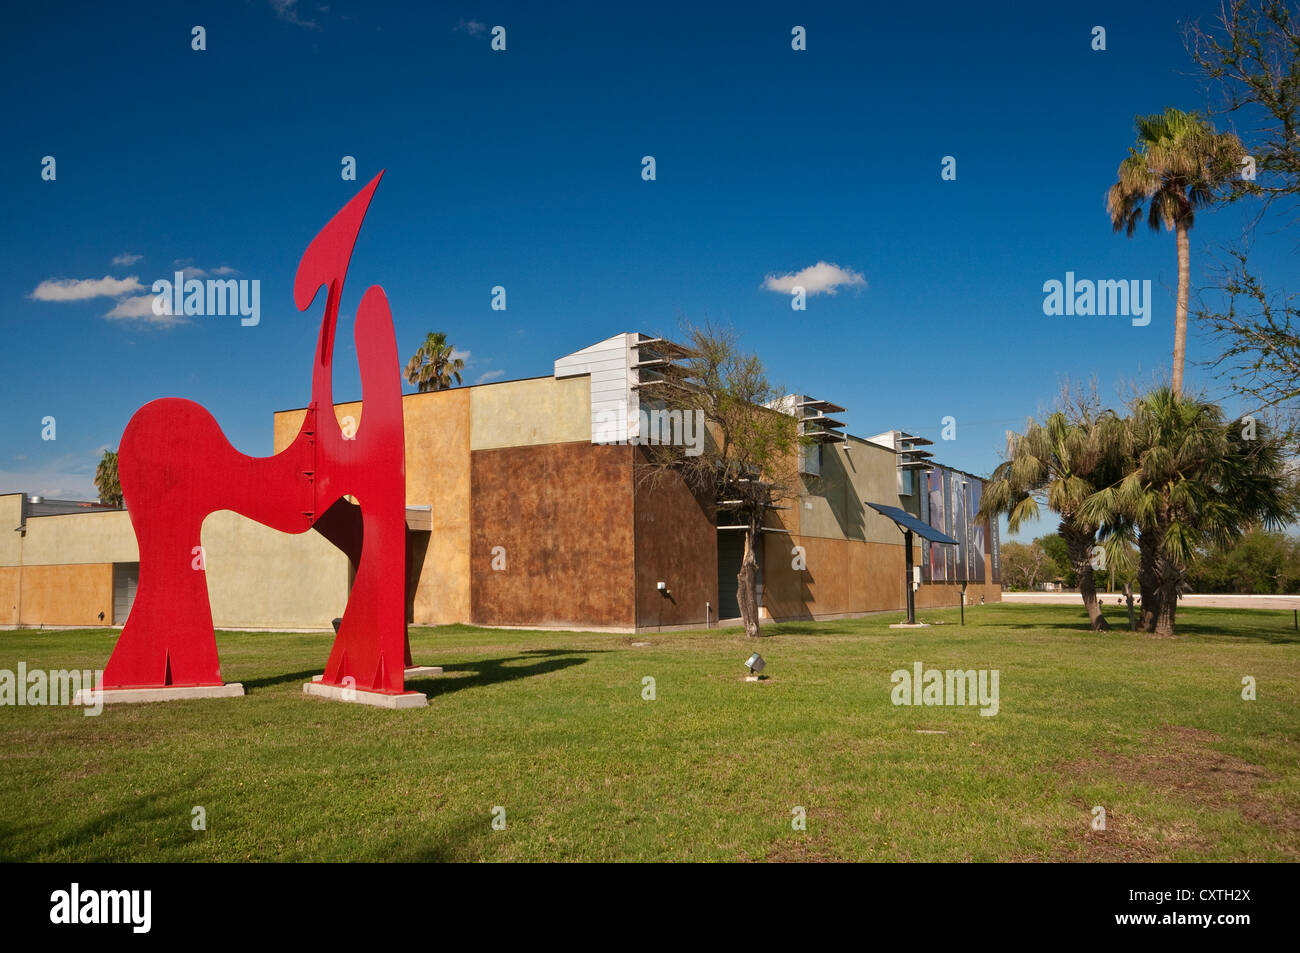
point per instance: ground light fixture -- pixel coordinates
(755, 664)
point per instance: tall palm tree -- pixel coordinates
(1061, 461)
(433, 366)
(1180, 164)
(106, 481)
(1191, 479)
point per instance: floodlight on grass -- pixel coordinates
(755, 664)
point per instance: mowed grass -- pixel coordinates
(553, 727)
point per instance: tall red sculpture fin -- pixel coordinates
(325, 262)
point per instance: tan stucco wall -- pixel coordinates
(61, 571)
(529, 413)
(262, 578)
(76, 538)
(257, 577)
(11, 514)
(436, 429)
(832, 505)
(67, 595)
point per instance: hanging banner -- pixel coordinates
(923, 493)
(938, 565)
(978, 532)
(960, 530)
(995, 549)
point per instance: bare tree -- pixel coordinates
(1259, 333)
(1251, 58)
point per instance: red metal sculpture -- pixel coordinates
(176, 467)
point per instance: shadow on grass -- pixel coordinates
(496, 671)
(445, 846)
(152, 812)
(1256, 631)
(252, 684)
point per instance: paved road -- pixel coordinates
(1111, 598)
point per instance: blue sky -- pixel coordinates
(523, 169)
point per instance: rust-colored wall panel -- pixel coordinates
(564, 514)
(67, 595)
(676, 543)
(849, 576)
(842, 576)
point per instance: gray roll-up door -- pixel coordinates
(126, 576)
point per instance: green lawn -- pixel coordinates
(552, 726)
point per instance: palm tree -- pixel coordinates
(434, 365)
(1061, 461)
(1180, 164)
(106, 482)
(1191, 480)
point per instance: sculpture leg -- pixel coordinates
(168, 638)
(371, 642)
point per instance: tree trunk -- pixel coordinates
(1164, 623)
(1077, 545)
(1149, 578)
(747, 581)
(1180, 311)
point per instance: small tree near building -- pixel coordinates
(749, 460)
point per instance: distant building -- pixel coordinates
(523, 510)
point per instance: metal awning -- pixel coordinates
(664, 347)
(823, 420)
(823, 405)
(909, 523)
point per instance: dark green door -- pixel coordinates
(731, 552)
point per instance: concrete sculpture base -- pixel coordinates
(423, 671)
(356, 696)
(174, 693)
(415, 671)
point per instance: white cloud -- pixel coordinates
(83, 289)
(815, 279)
(489, 376)
(130, 305)
(287, 10)
(458, 353)
(141, 309)
(189, 270)
(126, 259)
(472, 27)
